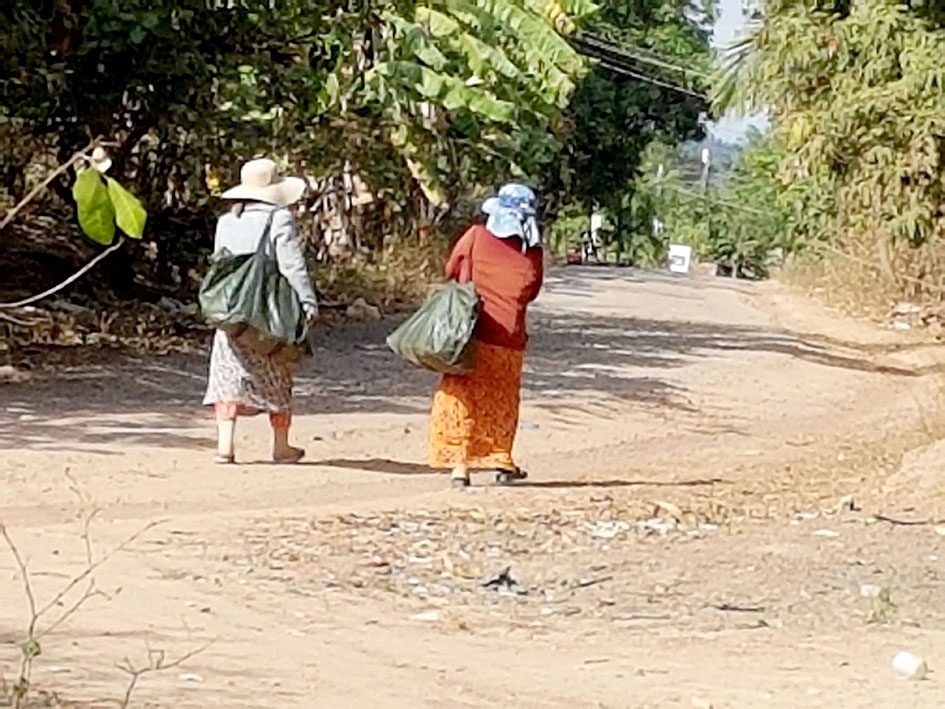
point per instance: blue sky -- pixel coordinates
(727, 27)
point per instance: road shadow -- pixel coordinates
(601, 345)
(577, 484)
(83, 397)
(586, 282)
(378, 465)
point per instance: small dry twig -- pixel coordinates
(907, 522)
(88, 571)
(17, 321)
(734, 608)
(157, 662)
(30, 648)
(92, 511)
(24, 573)
(587, 583)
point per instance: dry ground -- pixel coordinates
(681, 541)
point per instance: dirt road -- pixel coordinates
(681, 541)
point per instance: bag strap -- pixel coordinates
(264, 239)
(465, 269)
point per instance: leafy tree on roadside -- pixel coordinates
(854, 93)
(615, 116)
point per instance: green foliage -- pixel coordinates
(94, 207)
(854, 91)
(471, 92)
(102, 204)
(566, 230)
(615, 118)
(428, 104)
(310, 70)
(742, 220)
(754, 211)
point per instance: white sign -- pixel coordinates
(680, 258)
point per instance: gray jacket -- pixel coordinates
(241, 235)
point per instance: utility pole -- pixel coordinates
(657, 224)
(706, 179)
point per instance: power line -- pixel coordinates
(669, 58)
(668, 65)
(716, 200)
(616, 68)
(590, 40)
(615, 59)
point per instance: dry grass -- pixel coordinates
(852, 288)
(399, 276)
(857, 283)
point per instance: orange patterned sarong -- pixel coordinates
(475, 416)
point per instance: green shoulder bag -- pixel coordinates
(247, 297)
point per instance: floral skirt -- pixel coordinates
(475, 416)
(254, 383)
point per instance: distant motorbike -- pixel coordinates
(591, 248)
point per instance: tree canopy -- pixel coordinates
(854, 92)
(401, 113)
(655, 93)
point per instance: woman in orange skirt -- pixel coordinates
(475, 416)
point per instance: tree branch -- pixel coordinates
(82, 154)
(156, 663)
(91, 568)
(24, 574)
(71, 279)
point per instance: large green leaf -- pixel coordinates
(546, 55)
(451, 92)
(130, 214)
(479, 55)
(574, 8)
(93, 206)
(536, 31)
(417, 42)
(436, 23)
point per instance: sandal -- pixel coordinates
(224, 459)
(506, 476)
(291, 459)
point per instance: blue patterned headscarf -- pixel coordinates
(512, 213)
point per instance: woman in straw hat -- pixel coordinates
(243, 382)
(475, 416)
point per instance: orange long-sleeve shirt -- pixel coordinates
(506, 279)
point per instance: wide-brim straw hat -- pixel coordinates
(260, 181)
